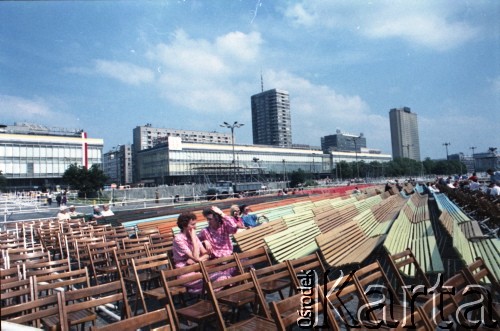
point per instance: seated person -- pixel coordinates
(96, 213)
(236, 214)
(63, 213)
(216, 237)
(106, 211)
(73, 213)
(249, 220)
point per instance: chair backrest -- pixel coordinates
(161, 317)
(12, 274)
(131, 242)
(309, 262)
(287, 312)
(126, 255)
(233, 286)
(405, 261)
(16, 292)
(479, 273)
(91, 297)
(226, 266)
(255, 258)
(64, 281)
(46, 268)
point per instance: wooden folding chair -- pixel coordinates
(241, 284)
(32, 312)
(288, 312)
(78, 306)
(373, 280)
(161, 318)
(310, 262)
(189, 279)
(406, 262)
(274, 278)
(479, 273)
(102, 260)
(12, 274)
(147, 271)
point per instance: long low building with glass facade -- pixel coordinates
(177, 162)
(36, 157)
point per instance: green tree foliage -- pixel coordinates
(3, 181)
(297, 177)
(86, 181)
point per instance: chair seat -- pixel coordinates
(254, 323)
(75, 318)
(239, 298)
(198, 311)
(275, 285)
(143, 277)
(156, 293)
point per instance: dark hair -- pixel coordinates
(184, 218)
(209, 211)
(242, 208)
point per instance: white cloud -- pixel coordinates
(37, 110)
(124, 72)
(200, 74)
(426, 23)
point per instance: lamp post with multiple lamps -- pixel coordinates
(233, 126)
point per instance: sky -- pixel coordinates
(109, 66)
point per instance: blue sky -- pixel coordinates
(108, 66)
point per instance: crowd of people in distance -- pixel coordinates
(491, 188)
(66, 213)
(212, 242)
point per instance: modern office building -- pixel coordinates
(177, 162)
(117, 165)
(404, 133)
(271, 119)
(146, 136)
(34, 156)
(345, 142)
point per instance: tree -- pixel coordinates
(3, 181)
(86, 181)
(297, 177)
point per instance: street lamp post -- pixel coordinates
(232, 127)
(473, 159)
(355, 141)
(446, 145)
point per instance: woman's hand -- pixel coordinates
(208, 247)
(217, 210)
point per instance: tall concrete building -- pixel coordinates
(271, 119)
(404, 134)
(117, 164)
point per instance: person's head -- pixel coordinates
(244, 209)
(63, 209)
(212, 218)
(96, 208)
(186, 220)
(105, 207)
(235, 211)
(489, 171)
(72, 208)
